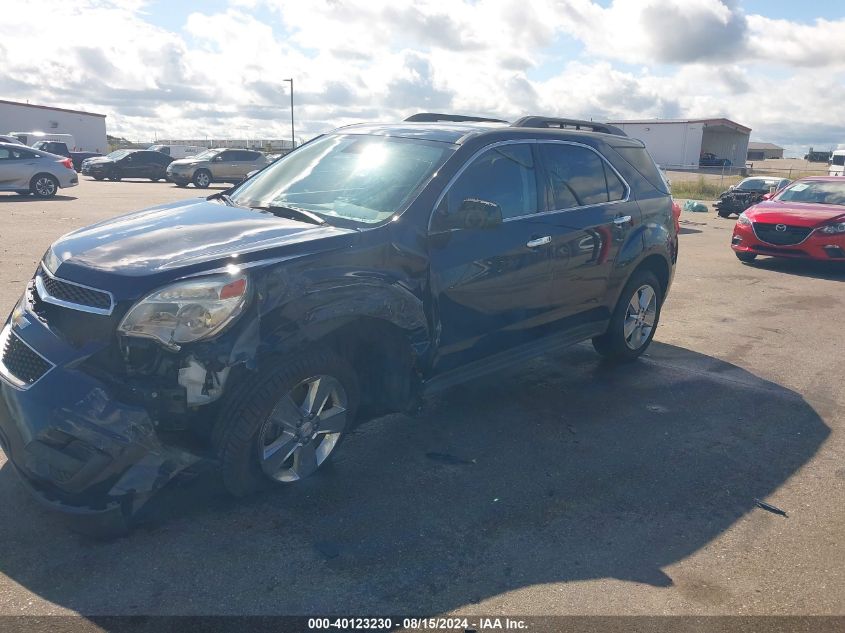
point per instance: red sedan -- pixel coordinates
(805, 220)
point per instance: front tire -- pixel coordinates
(99, 177)
(745, 258)
(634, 320)
(44, 186)
(116, 176)
(202, 179)
(284, 426)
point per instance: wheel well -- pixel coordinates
(381, 355)
(657, 265)
(39, 174)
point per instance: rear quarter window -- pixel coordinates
(641, 161)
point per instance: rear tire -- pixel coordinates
(43, 186)
(634, 319)
(267, 413)
(745, 258)
(202, 179)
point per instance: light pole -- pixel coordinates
(292, 139)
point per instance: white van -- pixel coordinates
(837, 163)
(176, 151)
(30, 138)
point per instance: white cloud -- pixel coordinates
(358, 60)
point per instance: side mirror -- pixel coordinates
(768, 196)
(472, 214)
(218, 159)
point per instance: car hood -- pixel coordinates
(182, 238)
(186, 162)
(97, 160)
(794, 213)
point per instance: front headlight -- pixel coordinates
(187, 311)
(743, 220)
(51, 261)
(833, 229)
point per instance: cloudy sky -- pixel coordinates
(169, 68)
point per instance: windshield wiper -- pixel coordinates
(293, 213)
(224, 197)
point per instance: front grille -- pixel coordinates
(20, 362)
(69, 292)
(770, 234)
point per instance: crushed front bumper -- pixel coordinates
(77, 446)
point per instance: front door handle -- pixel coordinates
(622, 219)
(539, 241)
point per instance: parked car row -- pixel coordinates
(208, 167)
(804, 220)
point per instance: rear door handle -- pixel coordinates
(539, 241)
(622, 219)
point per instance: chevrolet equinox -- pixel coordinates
(372, 266)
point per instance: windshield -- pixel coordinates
(119, 153)
(815, 192)
(207, 154)
(757, 184)
(355, 177)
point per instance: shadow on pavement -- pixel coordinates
(562, 470)
(30, 198)
(832, 271)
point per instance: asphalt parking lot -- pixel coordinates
(565, 486)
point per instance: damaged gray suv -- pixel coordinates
(370, 267)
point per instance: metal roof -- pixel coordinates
(41, 107)
(716, 121)
(755, 145)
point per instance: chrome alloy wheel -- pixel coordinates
(45, 186)
(202, 179)
(303, 429)
(640, 316)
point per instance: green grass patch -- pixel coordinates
(702, 189)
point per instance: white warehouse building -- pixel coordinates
(88, 128)
(680, 143)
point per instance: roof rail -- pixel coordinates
(577, 124)
(432, 117)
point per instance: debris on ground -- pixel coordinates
(770, 508)
(695, 206)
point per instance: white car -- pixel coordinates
(177, 151)
(24, 170)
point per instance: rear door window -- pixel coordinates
(577, 176)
